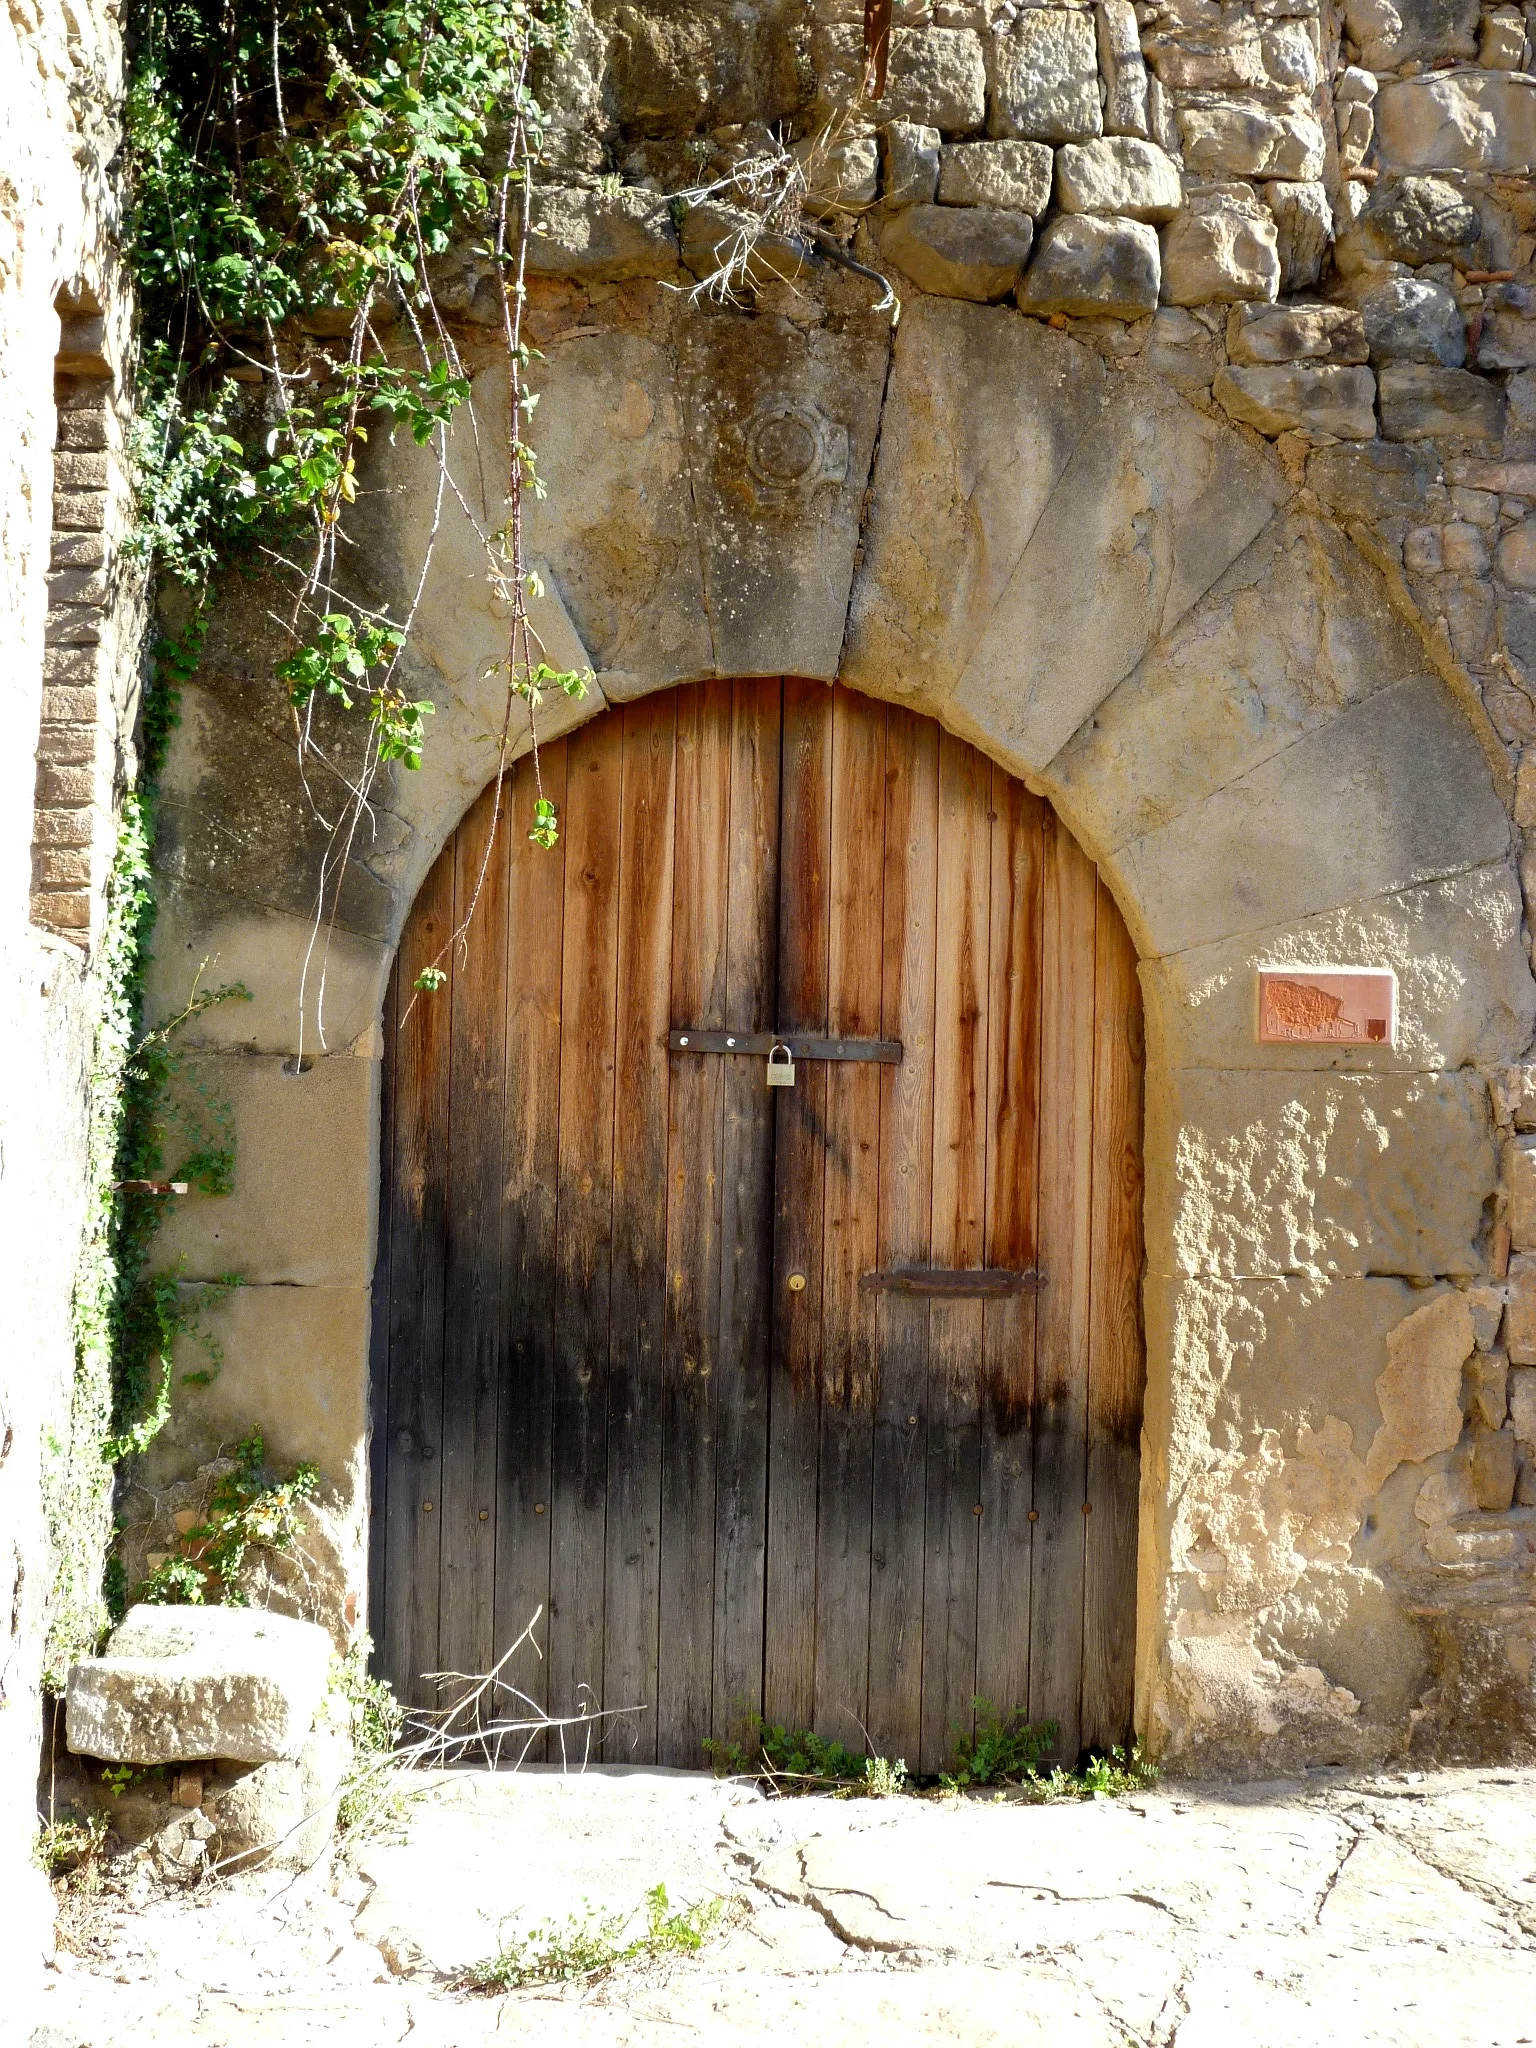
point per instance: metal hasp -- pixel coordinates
(950, 1284)
(801, 1045)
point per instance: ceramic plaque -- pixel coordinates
(1327, 1006)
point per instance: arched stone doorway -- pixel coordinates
(819, 1400)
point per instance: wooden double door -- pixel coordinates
(819, 1400)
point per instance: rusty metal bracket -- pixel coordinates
(802, 1045)
(948, 1284)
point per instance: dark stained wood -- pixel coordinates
(530, 1123)
(908, 908)
(685, 1693)
(379, 1332)
(807, 1045)
(584, 1229)
(639, 1273)
(473, 1349)
(784, 1400)
(746, 1222)
(851, 1222)
(1116, 1361)
(1013, 1185)
(1061, 1351)
(416, 1226)
(805, 855)
(955, 1328)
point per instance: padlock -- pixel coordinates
(781, 1072)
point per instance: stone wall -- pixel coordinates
(1195, 485)
(68, 627)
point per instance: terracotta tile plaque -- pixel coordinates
(1327, 1006)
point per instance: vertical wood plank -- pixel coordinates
(1061, 1356)
(1013, 1161)
(906, 1217)
(959, 1239)
(417, 1229)
(789, 1659)
(379, 1333)
(583, 1244)
(851, 1228)
(632, 1600)
(746, 1263)
(531, 1158)
(1116, 1361)
(685, 1689)
(473, 1360)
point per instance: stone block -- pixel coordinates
(1412, 320)
(61, 867)
(1321, 398)
(1463, 549)
(180, 1683)
(1377, 482)
(1295, 332)
(1520, 1337)
(1508, 337)
(1237, 140)
(1522, 1403)
(78, 551)
(1487, 1377)
(959, 252)
(607, 235)
(1492, 1469)
(911, 163)
(1341, 1174)
(280, 1814)
(1045, 78)
(1422, 400)
(1123, 69)
(935, 77)
(1303, 230)
(1393, 32)
(81, 511)
(1503, 45)
(1013, 175)
(1224, 58)
(1520, 1189)
(302, 1210)
(841, 177)
(1458, 121)
(1090, 267)
(1117, 174)
(1349, 796)
(1219, 250)
(1517, 556)
(1182, 350)
(1410, 220)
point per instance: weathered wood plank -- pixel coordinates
(473, 1351)
(583, 1243)
(639, 1284)
(379, 1336)
(685, 1692)
(959, 1239)
(417, 1229)
(1116, 1362)
(789, 1658)
(1061, 1353)
(746, 1264)
(1013, 1163)
(851, 1221)
(531, 1159)
(909, 911)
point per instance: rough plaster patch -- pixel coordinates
(1420, 1391)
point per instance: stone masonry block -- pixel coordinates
(911, 163)
(1487, 1377)
(1092, 268)
(80, 511)
(89, 426)
(64, 867)
(1319, 398)
(1522, 1403)
(63, 705)
(959, 252)
(1123, 69)
(77, 586)
(1422, 400)
(1117, 174)
(1296, 332)
(78, 551)
(80, 470)
(1492, 1469)
(60, 827)
(1220, 250)
(62, 910)
(1013, 175)
(1520, 1315)
(1045, 78)
(73, 625)
(66, 746)
(1520, 1185)
(180, 1683)
(76, 666)
(68, 786)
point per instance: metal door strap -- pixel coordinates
(951, 1284)
(802, 1045)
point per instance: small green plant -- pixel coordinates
(70, 1848)
(797, 1760)
(590, 1945)
(118, 1778)
(248, 1508)
(373, 1795)
(1003, 1749)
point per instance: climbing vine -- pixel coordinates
(298, 170)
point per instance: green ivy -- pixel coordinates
(248, 1508)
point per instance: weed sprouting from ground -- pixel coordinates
(590, 1945)
(1003, 1752)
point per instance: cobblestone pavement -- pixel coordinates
(1398, 1909)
